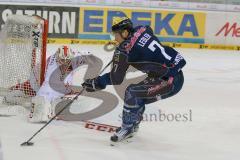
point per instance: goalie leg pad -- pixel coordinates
(16, 97)
(41, 110)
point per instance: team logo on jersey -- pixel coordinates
(133, 40)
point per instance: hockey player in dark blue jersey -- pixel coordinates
(140, 48)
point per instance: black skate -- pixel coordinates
(122, 134)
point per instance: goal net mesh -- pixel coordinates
(23, 53)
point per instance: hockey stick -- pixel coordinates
(106, 67)
(29, 143)
(100, 127)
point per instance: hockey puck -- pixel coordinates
(27, 144)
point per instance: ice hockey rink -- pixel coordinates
(211, 132)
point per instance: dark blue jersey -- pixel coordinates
(143, 51)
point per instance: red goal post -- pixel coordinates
(23, 44)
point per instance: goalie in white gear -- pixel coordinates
(58, 77)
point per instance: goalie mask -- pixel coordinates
(64, 55)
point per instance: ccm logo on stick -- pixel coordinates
(100, 127)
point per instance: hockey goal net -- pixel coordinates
(23, 54)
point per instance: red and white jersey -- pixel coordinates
(58, 80)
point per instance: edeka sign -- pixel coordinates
(63, 21)
(169, 26)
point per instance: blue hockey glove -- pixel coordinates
(92, 85)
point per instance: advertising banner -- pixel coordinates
(63, 21)
(223, 28)
(92, 25)
(169, 26)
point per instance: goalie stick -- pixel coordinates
(28, 142)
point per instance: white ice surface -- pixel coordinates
(211, 92)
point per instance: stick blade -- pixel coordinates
(27, 144)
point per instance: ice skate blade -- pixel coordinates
(123, 141)
(120, 142)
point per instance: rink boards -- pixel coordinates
(92, 25)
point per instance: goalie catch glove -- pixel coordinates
(93, 85)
